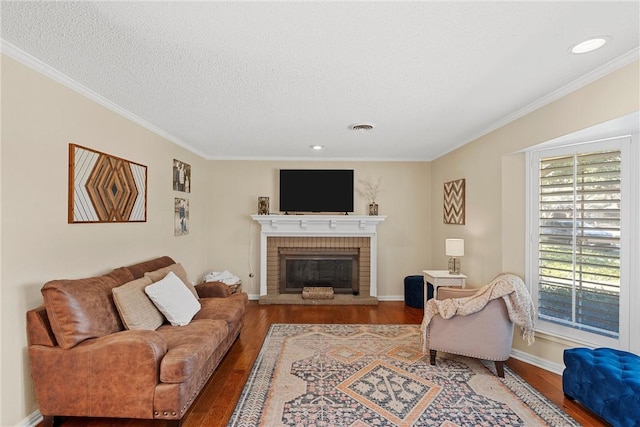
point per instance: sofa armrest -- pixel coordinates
(213, 290)
(112, 376)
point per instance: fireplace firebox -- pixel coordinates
(336, 268)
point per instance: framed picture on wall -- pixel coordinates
(181, 217)
(105, 188)
(181, 176)
(454, 203)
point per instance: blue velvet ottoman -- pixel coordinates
(414, 291)
(606, 381)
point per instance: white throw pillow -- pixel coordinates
(173, 299)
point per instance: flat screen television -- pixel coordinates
(316, 190)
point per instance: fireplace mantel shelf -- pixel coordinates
(319, 225)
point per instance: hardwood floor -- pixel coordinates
(217, 401)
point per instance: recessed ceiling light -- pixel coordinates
(589, 45)
(316, 147)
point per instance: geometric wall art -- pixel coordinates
(105, 188)
(454, 194)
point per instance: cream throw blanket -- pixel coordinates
(507, 286)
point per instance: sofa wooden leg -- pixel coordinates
(48, 421)
(174, 423)
(432, 357)
(500, 368)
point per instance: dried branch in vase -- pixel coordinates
(370, 190)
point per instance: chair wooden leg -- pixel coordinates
(432, 357)
(500, 368)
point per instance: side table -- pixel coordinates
(442, 278)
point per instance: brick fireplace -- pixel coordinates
(337, 249)
(319, 240)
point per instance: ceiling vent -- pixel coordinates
(362, 127)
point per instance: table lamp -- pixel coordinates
(454, 248)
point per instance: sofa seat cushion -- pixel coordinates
(189, 348)
(230, 309)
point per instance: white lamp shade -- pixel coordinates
(454, 247)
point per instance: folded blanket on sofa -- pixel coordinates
(507, 286)
(224, 276)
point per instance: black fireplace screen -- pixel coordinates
(337, 271)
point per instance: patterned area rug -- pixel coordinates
(376, 375)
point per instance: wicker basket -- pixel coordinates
(317, 293)
(235, 287)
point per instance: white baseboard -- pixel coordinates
(390, 297)
(32, 420)
(537, 361)
(256, 297)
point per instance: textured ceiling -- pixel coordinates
(269, 79)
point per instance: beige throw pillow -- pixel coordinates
(179, 270)
(173, 299)
(136, 310)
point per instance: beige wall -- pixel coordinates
(402, 239)
(494, 232)
(39, 119)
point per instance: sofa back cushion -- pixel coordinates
(138, 270)
(82, 309)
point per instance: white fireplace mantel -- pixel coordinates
(318, 225)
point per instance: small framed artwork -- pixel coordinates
(105, 188)
(181, 217)
(181, 176)
(454, 202)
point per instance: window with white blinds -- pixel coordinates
(578, 268)
(579, 241)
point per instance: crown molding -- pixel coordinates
(317, 159)
(600, 72)
(34, 63)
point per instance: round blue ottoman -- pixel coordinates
(414, 291)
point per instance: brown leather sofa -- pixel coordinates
(84, 362)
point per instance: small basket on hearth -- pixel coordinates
(317, 292)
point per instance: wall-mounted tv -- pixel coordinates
(316, 190)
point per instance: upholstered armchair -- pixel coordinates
(487, 334)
